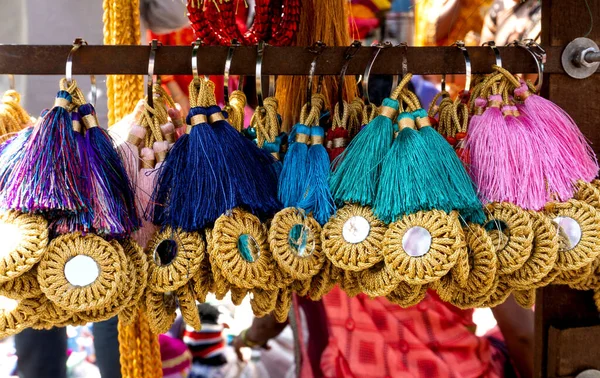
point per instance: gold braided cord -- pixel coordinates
(31, 231)
(447, 242)
(592, 280)
(588, 248)
(187, 305)
(358, 116)
(103, 292)
(543, 255)
(498, 295)
(299, 267)
(235, 110)
(406, 295)
(13, 118)
(349, 282)
(516, 248)
(283, 305)
(14, 320)
(139, 349)
(481, 277)
(160, 310)
(525, 298)
(134, 252)
(323, 282)
(151, 118)
(22, 287)
(121, 19)
(588, 193)
(266, 121)
(238, 295)
(228, 258)
(353, 256)
(263, 302)
(378, 280)
(185, 264)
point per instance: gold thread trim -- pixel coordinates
(388, 112)
(90, 121)
(197, 119)
(215, 117)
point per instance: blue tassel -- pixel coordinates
(274, 149)
(112, 197)
(12, 151)
(249, 168)
(451, 172)
(193, 187)
(358, 169)
(292, 181)
(318, 200)
(408, 183)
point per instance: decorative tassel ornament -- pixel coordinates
(294, 174)
(145, 186)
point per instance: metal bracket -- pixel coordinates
(581, 58)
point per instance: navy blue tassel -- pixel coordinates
(292, 181)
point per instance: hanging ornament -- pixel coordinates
(406, 295)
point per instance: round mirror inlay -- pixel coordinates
(248, 247)
(570, 231)
(165, 252)
(81, 270)
(416, 241)
(356, 229)
(298, 240)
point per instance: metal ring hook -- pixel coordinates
(259, 62)
(494, 48)
(396, 78)
(367, 73)
(348, 55)
(468, 70)
(151, 78)
(539, 54)
(316, 49)
(234, 44)
(77, 43)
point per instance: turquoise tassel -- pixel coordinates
(408, 183)
(292, 180)
(358, 169)
(318, 200)
(450, 171)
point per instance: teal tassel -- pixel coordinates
(292, 180)
(408, 182)
(357, 171)
(318, 200)
(451, 171)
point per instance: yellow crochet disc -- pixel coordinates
(434, 241)
(174, 257)
(295, 242)
(592, 280)
(237, 295)
(188, 307)
(588, 193)
(263, 301)
(460, 270)
(50, 314)
(511, 229)
(378, 280)
(349, 283)
(482, 270)
(301, 287)
(499, 295)
(573, 277)
(220, 285)
(81, 273)
(353, 237)
(22, 287)
(134, 252)
(525, 298)
(160, 310)
(24, 240)
(406, 295)
(283, 305)
(542, 258)
(240, 250)
(16, 315)
(579, 233)
(324, 282)
(280, 279)
(203, 281)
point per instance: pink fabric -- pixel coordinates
(175, 356)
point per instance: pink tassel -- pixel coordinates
(130, 153)
(562, 134)
(168, 131)
(178, 123)
(145, 186)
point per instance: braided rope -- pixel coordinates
(378, 280)
(543, 255)
(160, 310)
(23, 314)
(26, 246)
(516, 249)
(229, 259)
(266, 121)
(481, 277)
(23, 287)
(283, 305)
(406, 295)
(187, 305)
(286, 256)
(588, 248)
(525, 298)
(112, 272)
(185, 264)
(353, 256)
(323, 283)
(235, 110)
(447, 242)
(263, 302)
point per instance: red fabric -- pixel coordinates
(375, 338)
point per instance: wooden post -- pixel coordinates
(567, 339)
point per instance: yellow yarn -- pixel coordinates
(378, 280)
(588, 193)
(525, 298)
(573, 277)
(349, 282)
(31, 232)
(220, 284)
(301, 287)
(592, 280)
(13, 118)
(139, 350)
(235, 110)
(203, 281)
(283, 305)
(187, 305)
(160, 310)
(14, 320)
(134, 252)
(447, 241)
(353, 256)
(121, 19)
(50, 314)
(22, 287)
(266, 121)
(299, 267)
(151, 118)
(406, 295)
(238, 295)
(263, 301)
(324, 281)
(498, 295)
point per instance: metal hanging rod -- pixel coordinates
(176, 60)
